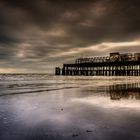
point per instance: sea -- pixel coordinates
(48, 107)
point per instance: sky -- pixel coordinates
(38, 35)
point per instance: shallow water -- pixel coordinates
(43, 107)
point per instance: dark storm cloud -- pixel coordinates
(35, 32)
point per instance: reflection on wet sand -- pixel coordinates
(127, 91)
(116, 96)
(95, 110)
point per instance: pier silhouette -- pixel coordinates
(115, 64)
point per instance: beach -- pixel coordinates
(47, 107)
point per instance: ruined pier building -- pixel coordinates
(115, 64)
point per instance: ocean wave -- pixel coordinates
(36, 91)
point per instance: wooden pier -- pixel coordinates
(114, 65)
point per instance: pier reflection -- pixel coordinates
(124, 91)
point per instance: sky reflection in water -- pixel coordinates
(103, 109)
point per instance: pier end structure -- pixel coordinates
(116, 64)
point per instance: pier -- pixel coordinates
(115, 64)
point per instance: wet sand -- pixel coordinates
(84, 109)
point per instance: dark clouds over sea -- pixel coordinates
(37, 35)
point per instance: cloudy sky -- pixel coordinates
(37, 35)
